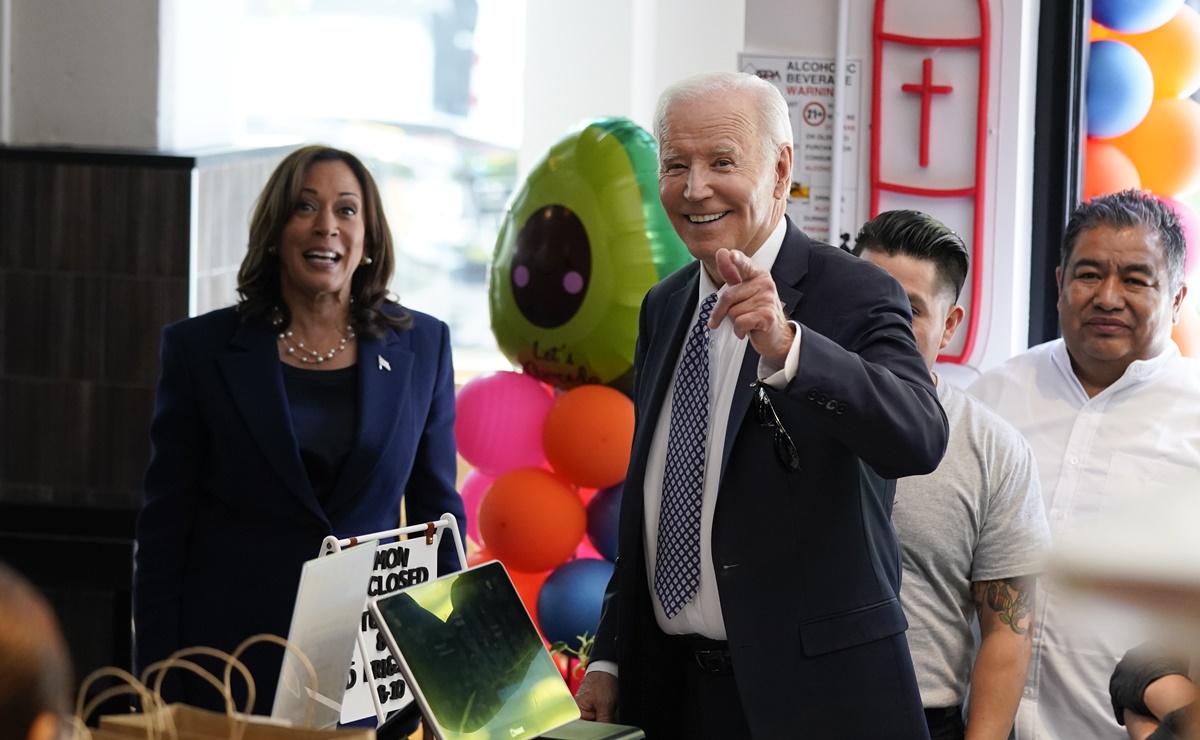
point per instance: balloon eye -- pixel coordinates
(552, 265)
(520, 276)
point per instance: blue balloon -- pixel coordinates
(1134, 16)
(603, 518)
(569, 603)
(1120, 89)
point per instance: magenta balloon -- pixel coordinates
(499, 424)
(474, 485)
(587, 550)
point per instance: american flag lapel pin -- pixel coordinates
(384, 364)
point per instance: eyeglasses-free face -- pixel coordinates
(785, 449)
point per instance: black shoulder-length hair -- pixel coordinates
(259, 275)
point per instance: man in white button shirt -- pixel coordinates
(1111, 412)
(785, 622)
(973, 532)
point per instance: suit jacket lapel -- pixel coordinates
(384, 372)
(791, 265)
(255, 381)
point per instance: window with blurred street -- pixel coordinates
(428, 93)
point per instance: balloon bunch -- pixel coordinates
(583, 239)
(545, 491)
(1143, 127)
(1143, 130)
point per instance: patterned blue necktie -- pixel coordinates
(677, 567)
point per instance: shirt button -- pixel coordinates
(1027, 692)
(1074, 461)
(1056, 515)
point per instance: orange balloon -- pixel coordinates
(588, 434)
(1165, 146)
(1098, 32)
(1173, 52)
(1186, 332)
(1106, 169)
(532, 520)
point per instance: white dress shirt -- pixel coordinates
(1136, 442)
(702, 615)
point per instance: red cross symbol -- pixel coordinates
(926, 90)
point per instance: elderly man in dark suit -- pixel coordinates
(779, 392)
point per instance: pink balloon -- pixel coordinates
(1190, 222)
(500, 419)
(474, 485)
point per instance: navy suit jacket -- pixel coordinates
(229, 516)
(807, 565)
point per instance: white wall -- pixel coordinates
(82, 73)
(151, 74)
(586, 59)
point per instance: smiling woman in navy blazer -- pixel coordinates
(311, 408)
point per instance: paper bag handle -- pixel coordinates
(304, 661)
(176, 660)
(128, 684)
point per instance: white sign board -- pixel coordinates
(808, 83)
(323, 628)
(397, 565)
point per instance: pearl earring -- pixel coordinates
(367, 260)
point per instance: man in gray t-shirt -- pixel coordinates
(973, 532)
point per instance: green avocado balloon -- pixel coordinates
(584, 238)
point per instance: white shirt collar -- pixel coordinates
(1137, 372)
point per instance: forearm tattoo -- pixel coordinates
(1011, 599)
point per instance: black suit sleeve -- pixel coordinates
(170, 490)
(860, 378)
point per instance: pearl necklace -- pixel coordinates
(310, 355)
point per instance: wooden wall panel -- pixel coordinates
(95, 259)
(96, 256)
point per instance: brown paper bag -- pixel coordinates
(182, 722)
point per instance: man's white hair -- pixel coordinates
(774, 123)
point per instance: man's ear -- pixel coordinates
(1178, 304)
(783, 172)
(953, 319)
(1058, 278)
